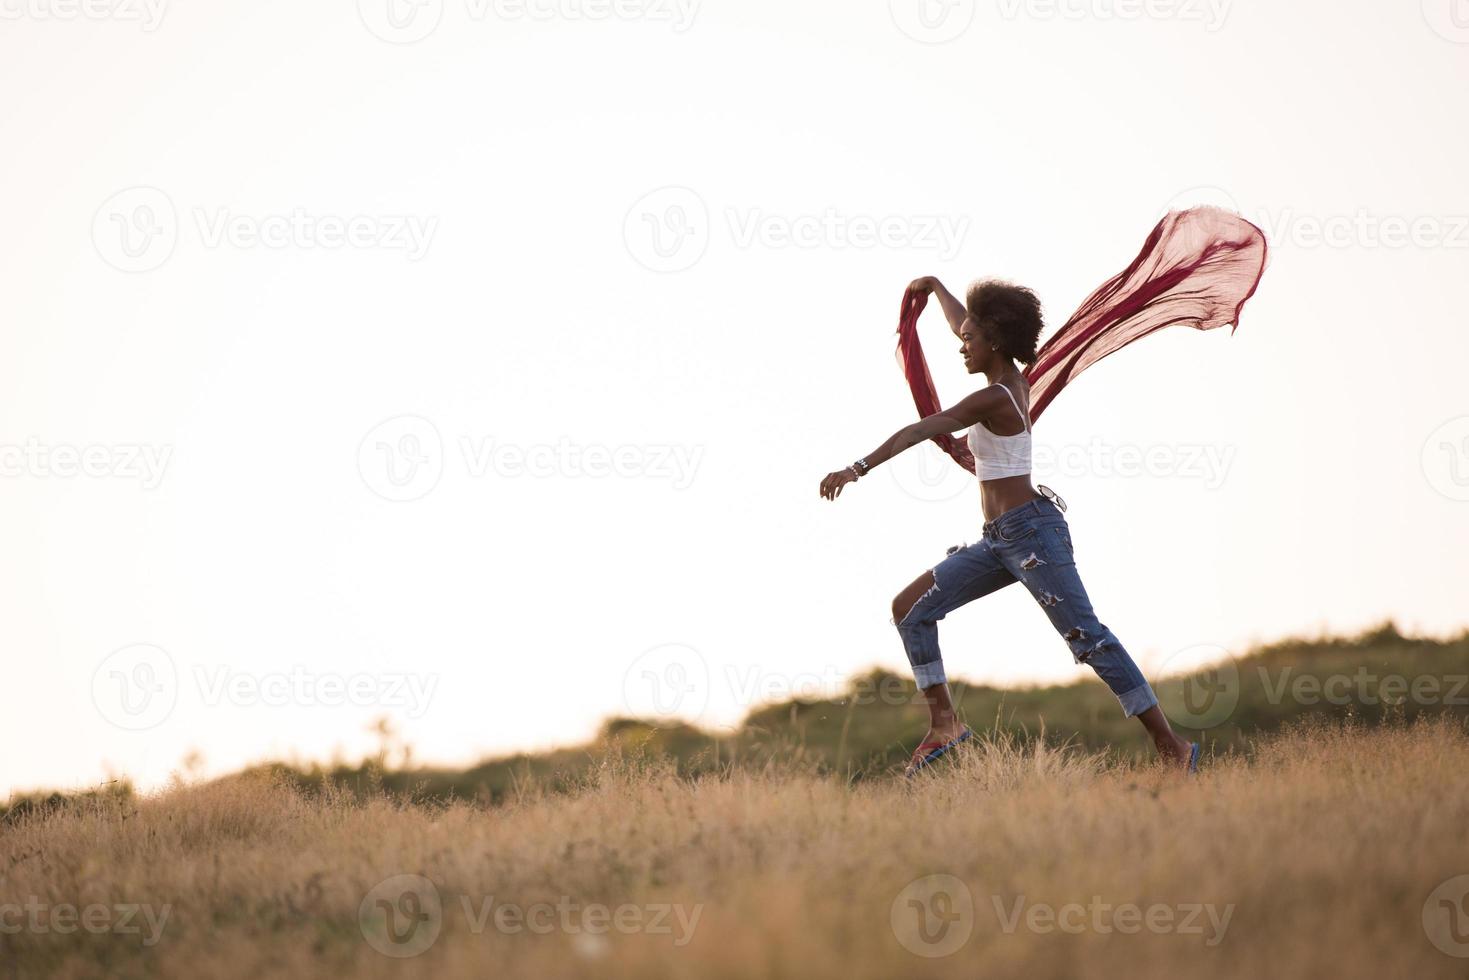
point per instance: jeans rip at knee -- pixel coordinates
(932, 590)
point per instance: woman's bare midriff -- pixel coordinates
(1006, 493)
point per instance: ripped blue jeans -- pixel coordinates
(1031, 544)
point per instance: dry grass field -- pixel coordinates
(1324, 851)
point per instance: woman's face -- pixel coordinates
(973, 344)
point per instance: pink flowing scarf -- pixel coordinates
(1198, 268)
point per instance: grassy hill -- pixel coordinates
(872, 727)
(1329, 849)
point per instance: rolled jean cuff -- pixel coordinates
(1138, 700)
(927, 675)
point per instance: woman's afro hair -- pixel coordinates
(1009, 314)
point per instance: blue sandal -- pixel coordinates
(937, 749)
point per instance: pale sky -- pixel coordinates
(476, 364)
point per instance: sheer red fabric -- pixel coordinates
(1198, 269)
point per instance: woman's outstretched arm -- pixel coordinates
(962, 415)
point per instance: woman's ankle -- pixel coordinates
(944, 721)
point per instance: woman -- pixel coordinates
(1026, 537)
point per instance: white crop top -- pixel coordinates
(996, 456)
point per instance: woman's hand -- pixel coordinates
(923, 286)
(831, 486)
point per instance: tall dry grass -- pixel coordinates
(1323, 845)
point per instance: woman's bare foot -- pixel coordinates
(1175, 751)
(945, 731)
(944, 723)
(940, 732)
(1172, 750)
